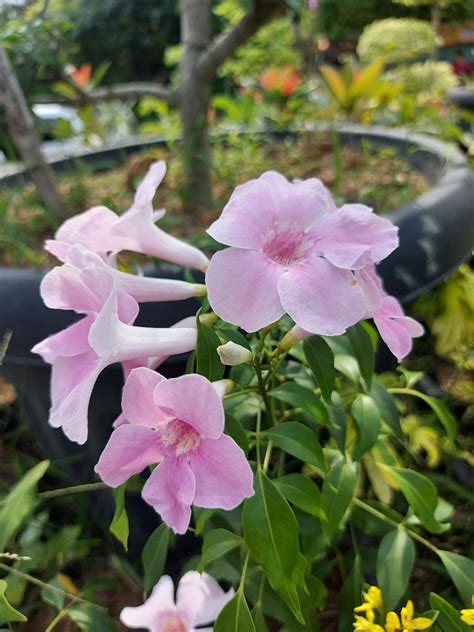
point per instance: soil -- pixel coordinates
(381, 180)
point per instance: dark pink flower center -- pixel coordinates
(173, 623)
(180, 437)
(285, 244)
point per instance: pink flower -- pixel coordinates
(79, 353)
(199, 602)
(178, 423)
(292, 251)
(102, 231)
(56, 284)
(396, 329)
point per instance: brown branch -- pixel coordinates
(226, 44)
(120, 91)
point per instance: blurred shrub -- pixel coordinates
(396, 40)
(424, 80)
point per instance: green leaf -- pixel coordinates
(395, 559)
(420, 494)
(18, 504)
(235, 616)
(461, 571)
(216, 544)
(302, 492)
(54, 594)
(119, 525)
(367, 417)
(447, 419)
(363, 351)
(154, 555)
(337, 493)
(387, 407)
(301, 397)
(321, 362)
(259, 618)
(234, 429)
(207, 358)
(448, 618)
(8, 612)
(235, 336)
(299, 441)
(271, 533)
(350, 596)
(91, 618)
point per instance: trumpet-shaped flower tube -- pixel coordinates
(102, 231)
(291, 250)
(199, 602)
(178, 423)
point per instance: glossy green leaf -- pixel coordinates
(271, 533)
(387, 407)
(350, 596)
(447, 419)
(154, 555)
(302, 492)
(207, 358)
(91, 618)
(421, 495)
(461, 571)
(395, 559)
(367, 417)
(364, 352)
(299, 441)
(235, 336)
(301, 397)
(8, 612)
(235, 616)
(54, 594)
(448, 617)
(119, 525)
(216, 544)
(337, 493)
(18, 503)
(321, 362)
(259, 618)
(234, 429)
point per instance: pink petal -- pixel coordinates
(84, 291)
(137, 399)
(242, 288)
(396, 329)
(192, 398)
(90, 229)
(147, 289)
(223, 475)
(130, 450)
(170, 491)
(200, 598)
(353, 237)
(320, 298)
(371, 285)
(68, 342)
(147, 189)
(146, 615)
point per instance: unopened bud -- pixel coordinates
(233, 354)
(222, 387)
(292, 337)
(201, 289)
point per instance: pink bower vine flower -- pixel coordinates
(105, 336)
(178, 423)
(102, 231)
(199, 602)
(293, 251)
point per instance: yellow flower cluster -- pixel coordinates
(373, 601)
(467, 615)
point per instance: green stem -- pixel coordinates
(76, 489)
(258, 430)
(263, 390)
(394, 523)
(244, 573)
(38, 582)
(268, 453)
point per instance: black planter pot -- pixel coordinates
(436, 235)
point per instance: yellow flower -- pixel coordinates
(467, 615)
(372, 600)
(363, 624)
(409, 623)
(392, 622)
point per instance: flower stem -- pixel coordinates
(75, 489)
(38, 582)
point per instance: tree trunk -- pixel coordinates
(194, 96)
(25, 138)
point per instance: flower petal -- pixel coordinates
(223, 475)
(138, 404)
(193, 399)
(147, 188)
(129, 451)
(242, 288)
(170, 491)
(91, 229)
(160, 600)
(200, 598)
(321, 298)
(71, 341)
(396, 329)
(353, 237)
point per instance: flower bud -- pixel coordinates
(292, 337)
(232, 354)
